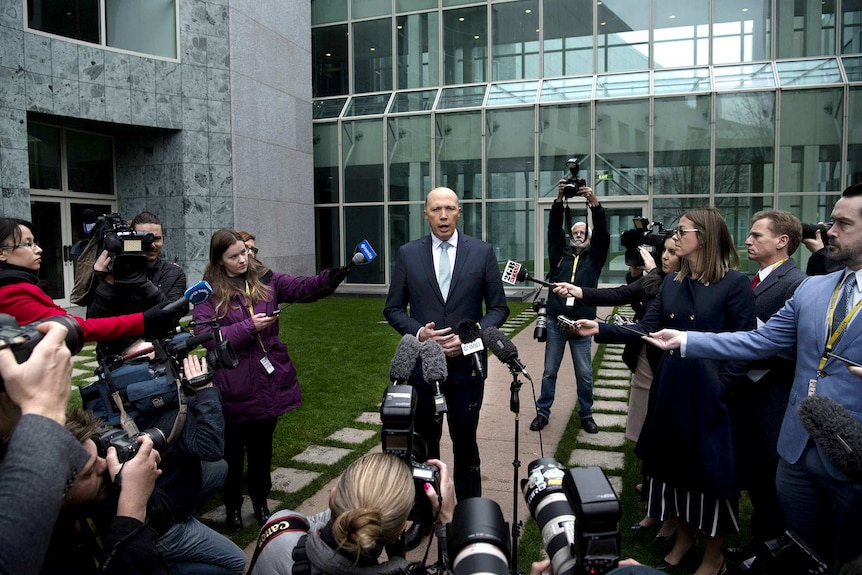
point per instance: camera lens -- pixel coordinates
(478, 538)
(543, 491)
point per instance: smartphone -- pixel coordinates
(845, 360)
(275, 312)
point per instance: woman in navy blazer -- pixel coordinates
(686, 443)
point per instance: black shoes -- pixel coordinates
(233, 519)
(261, 514)
(539, 423)
(740, 553)
(588, 424)
(414, 535)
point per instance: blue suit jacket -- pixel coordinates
(800, 324)
(414, 297)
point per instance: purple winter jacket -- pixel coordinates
(248, 392)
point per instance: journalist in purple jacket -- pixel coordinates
(416, 305)
(821, 503)
(245, 296)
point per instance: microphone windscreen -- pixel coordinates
(468, 331)
(88, 216)
(522, 275)
(835, 431)
(433, 361)
(358, 259)
(499, 344)
(199, 292)
(404, 358)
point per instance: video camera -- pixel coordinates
(397, 414)
(809, 231)
(578, 514)
(643, 234)
(127, 445)
(125, 247)
(573, 184)
(22, 339)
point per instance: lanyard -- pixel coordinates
(839, 331)
(575, 268)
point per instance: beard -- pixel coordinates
(580, 244)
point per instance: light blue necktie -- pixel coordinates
(444, 271)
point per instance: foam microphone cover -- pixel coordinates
(468, 331)
(499, 344)
(433, 362)
(404, 358)
(835, 431)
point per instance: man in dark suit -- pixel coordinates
(821, 503)
(438, 281)
(758, 404)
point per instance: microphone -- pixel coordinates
(198, 293)
(524, 276)
(471, 343)
(504, 349)
(404, 359)
(434, 371)
(514, 272)
(835, 431)
(364, 255)
(88, 219)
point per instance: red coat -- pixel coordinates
(27, 303)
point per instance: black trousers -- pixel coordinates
(254, 440)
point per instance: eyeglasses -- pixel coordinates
(31, 245)
(680, 231)
(252, 249)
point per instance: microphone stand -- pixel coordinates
(515, 407)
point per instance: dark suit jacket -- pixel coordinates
(414, 297)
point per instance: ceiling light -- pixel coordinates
(476, 37)
(528, 11)
(461, 19)
(372, 48)
(672, 17)
(328, 54)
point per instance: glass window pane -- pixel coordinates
(329, 60)
(681, 141)
(623, 35)
(413, 101)
(327, 11)
(459, 153)
(367, 105)
(510, 143)
(406, 223)
(564, 132)
(668, 210)
(568, 37)
(810, 140)
(46, 230)
(810, 209)
(854, 137)
(567, 89)
(43, 149)
(745, 143)
(78, 19)
(148, 27)
(370, 8)
(461, 97)
(622, 148)
(737, 212)
(513, 93)
(851, 27)
(326, 237)
(617, 85)
(362, 154)
(511, 231)
(409, 144)
(515, 40)
(743, 77)
(325, 140)
(805, 29)
(681, 33)
(447, 3)
(327, 108)
(465, 45)
(418, 50)
(681, 81)
(741, 31)
(372, 55)
(364, 223)
(853, 69)
(471, 218)
(411, 5)
(808, 73)
(90, 163)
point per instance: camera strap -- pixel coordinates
(182, 411)
(126, 422)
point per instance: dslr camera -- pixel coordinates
(651, 235)
(397, 414)
(125, 247)
(127, 445)
(22, 339)
(540, 306)
(573, 184)
(578, 514)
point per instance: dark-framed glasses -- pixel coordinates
(30, 245)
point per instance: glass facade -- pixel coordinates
(668, 104)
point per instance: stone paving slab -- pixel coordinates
(624, 383)
(607, 460)
(602, 438)
(369, 417)
(322, 454)
(610, 393)
(615, 373)
(610, 405)
(247, 511)
(352, 435)
(615, 347)
(76, 372)
(604, 420)
(616, 482)
(292, 480)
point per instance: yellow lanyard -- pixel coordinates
(575, 268)
(839, 331)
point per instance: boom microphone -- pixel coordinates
(835, 431)
(434, 371)
(504, 349)
(524, 276)
(198, 293)
(404, 359)
(471, 344)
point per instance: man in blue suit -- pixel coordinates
(434, 287)
(821, 503)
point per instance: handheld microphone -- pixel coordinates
(514, 272)
(364, 255)
(524, 276)
(471, 344)
(504, 349)
(404, 359)
(198, 293)
(434, 371)
(835, 431)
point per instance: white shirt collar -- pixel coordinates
(453, 241)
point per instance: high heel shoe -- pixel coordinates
(640, 526)
(687, 558)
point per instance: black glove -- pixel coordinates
(158, 322)
(336, 276)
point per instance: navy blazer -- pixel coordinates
(414, 297)
(799, 325)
